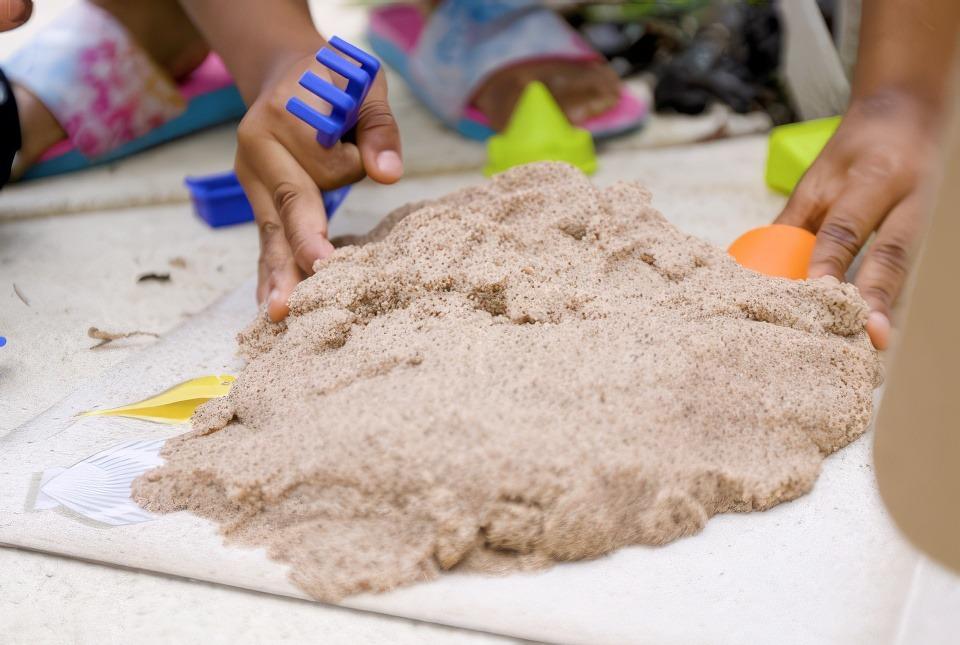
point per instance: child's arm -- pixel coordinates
(267, 46)
(869, 177)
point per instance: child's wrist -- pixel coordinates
(900, 103)
(897, 99)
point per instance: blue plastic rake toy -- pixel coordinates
(345, 103)
(219, 199)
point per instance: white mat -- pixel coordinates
(826, 568)
(829, 564)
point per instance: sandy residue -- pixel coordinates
(529, 371)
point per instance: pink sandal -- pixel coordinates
(445, 58)
(109, 96)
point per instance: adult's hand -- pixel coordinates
(14, 13)
(869, 179)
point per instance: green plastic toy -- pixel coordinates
(539, 131)
(793, 148)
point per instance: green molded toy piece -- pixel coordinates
(793, 148)
(539, 131)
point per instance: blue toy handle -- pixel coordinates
(344, 104)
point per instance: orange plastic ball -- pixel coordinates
(776, 250)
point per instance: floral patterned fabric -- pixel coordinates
(100, 85)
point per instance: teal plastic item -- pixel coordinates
(793, 148)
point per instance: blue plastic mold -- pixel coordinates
(3, 341)
(219, 199)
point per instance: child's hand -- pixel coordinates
(868, 179)
(283, 169)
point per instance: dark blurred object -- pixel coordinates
(828, 8)
(698, 53)
(633, 36)
(629, 47)
(731, 59)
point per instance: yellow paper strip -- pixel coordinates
(175, 405)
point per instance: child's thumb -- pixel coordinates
(14, 13)
(378, 136)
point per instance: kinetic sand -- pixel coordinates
(530, 371)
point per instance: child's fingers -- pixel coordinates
(329, 169)
(811, 198)
(878, 329)
(278, 272)
(885, 265)
(284, 283)
(378, 136)
(14, 13)
(849, 222)
(297, 202)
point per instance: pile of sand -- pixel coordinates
(529, 371)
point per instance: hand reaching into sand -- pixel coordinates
(870, 178)
(283, 169)
(279, 162)
(866, 181)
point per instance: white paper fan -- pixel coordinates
(99, 486)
